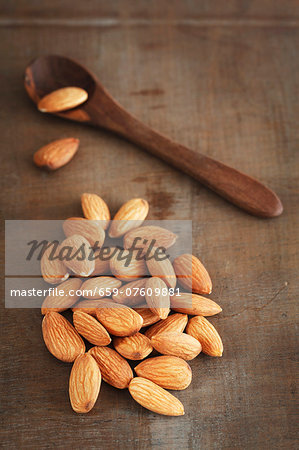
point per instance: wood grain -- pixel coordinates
(227, 85)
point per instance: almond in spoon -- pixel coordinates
(62, 99)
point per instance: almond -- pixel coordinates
(131, 293)
(153, 397)
(75, 252)
(175, 322)
(88, 306)
(176, 344)
(114, 368)
(53, 270)
(169, 372)
(119, 320)
(94, 208)
(162, 269)
(84, 384)
(192, 274)
(127, 265)
(149, 236)
(92, 230)
(194, 304)
(62, 99)
(61, 338)
(129, 216)
(202, 330)
(68, 296)
(157, 297)
(149, 318)
(133, 347)
(99, 287)
(102, 261)
(91, 329)
(56, 154)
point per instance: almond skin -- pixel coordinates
(62, 99)
(176, 344)
(91, 329)
(202, 330)
(153, 397)
(84, 384)
(99, 287)
(149, 318)
(194, 305)
(133, 347)
(162, 269)
(175, 322)
(130, 293)
(95, 208)
(75, 251)
(114, 368)
(53, 270)
(119, 320)
(129, 216)
(102, 261)
(158, 236)
(90, 229)
(88, 306)
(127, 269)
(157, 302)
(56, 154)
(60, 303)
(192, 274)
(61, 338)
(169, 372)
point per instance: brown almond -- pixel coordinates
(133, 347)
(99, 287)
(119, 320)
(129, 216)
(175, 322)
(75, 253)
(95, 208)
(194, 304)
(149, 318)
(169, 372)
(84, 384)
(202, 330)
(91, 329)
(53, 270)
(192, 275)
(61, 338)
(102, 260)
(62, 99)
(153, 397)
(162, 269)
(157, 236)
(88, 306)
(59, 303)
(127, 265)
(56, 154)
(114, 368)
(131, 293)
(176, 344)
(92, 230)
(157, 297)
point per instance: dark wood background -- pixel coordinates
(220, 77)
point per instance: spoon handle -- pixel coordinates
(236, 187)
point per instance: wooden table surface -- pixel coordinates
(222, 78)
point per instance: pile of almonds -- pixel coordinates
(136, 322)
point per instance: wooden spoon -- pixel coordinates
(51, 72)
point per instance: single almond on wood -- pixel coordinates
(157, 297)
(99, 287)
(161, 268)
(75, 252)
(62, 99)
(92, 230)
(129, 216)
(119, 320)
(133, 347)
(114, 368)
(153, 397)
(88, 306)
(192, 274)
(175, 322)
(61, 338)
(202, 330)
(194, 304)
(149, 235)
(127, 265)
(95, 208)
(169, 372)
(176, 344)
(57, 153)
(91, 329)
(53, 270)
(131, 293)
(149, 318)
(84, 384)
(62, 302)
